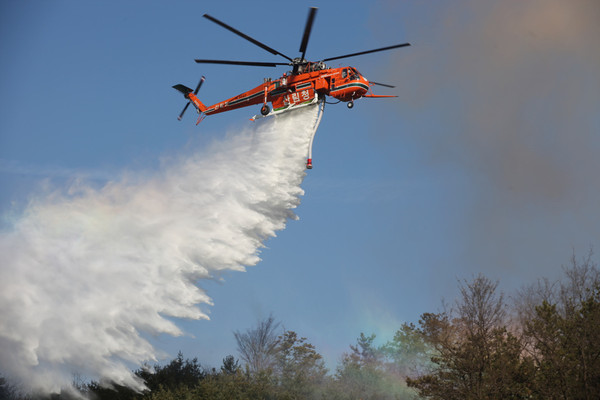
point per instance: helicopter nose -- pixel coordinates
(364, 81)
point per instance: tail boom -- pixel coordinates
(196, 102)
(189, 94)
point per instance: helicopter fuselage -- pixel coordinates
(344, 83)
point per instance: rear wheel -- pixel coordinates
(264, 110)
(350, 104)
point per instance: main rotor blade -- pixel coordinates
(250, 63)
(307, 29)
(248, 38)
(381, 84)
(368, 51)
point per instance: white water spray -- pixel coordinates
(84, 276)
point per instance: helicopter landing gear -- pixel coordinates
(350, 104)
(264, 110)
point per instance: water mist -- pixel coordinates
(86, 272)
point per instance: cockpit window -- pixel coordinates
(344, 73)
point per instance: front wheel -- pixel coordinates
(264, 110)
(350, 104)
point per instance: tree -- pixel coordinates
(364, 353)
(361, 374)
(408, 354)
(257, 345)
(299, 368)
(8, 391)
(178, 372)
(230, 365)
(476, 357)
(369, 372)
(565, 338)
(176, 376)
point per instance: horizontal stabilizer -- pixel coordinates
(183, 89)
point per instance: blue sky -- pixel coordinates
(485, 163)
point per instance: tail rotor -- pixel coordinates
(182, 112)
(186, 93)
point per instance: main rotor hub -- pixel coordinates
(299, 61)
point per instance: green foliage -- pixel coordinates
(178, 372)
(174, 376)
(300, 369)
(475, 356)
(181, 392)
(230, 365)
(567, 349)
(408, 354)
(368, 372)
(556, 357)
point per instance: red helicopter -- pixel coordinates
(307, 83)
